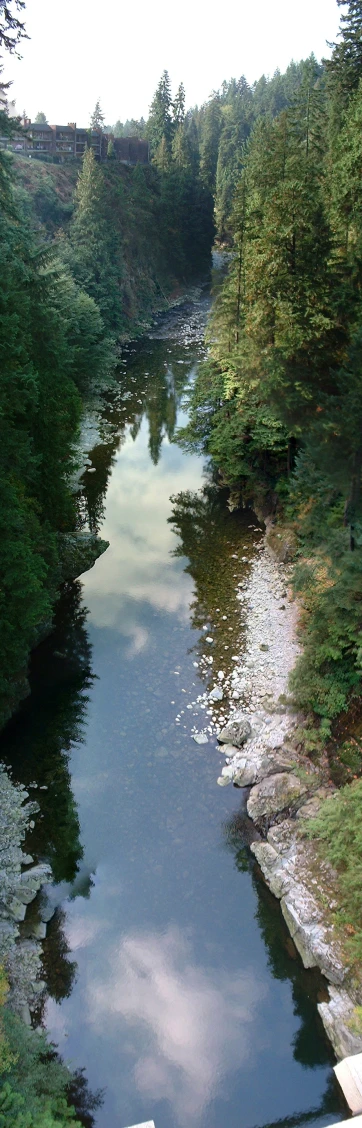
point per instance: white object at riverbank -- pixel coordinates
(349, 1075)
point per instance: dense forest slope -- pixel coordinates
(278, 404)
(88, 253)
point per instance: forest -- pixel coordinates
(89, 252)
(278, 402)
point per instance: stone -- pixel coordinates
(283, 543)
(276, 793)
(47, 913)
(78, 552)
(236, 732)
(310, 809)
(200, 738)
(17, 909)
(36, 929)
(337, 1017)
(228, 772)
(216, 693)
(312, 939)
(245, 773)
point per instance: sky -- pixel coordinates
(79, 51)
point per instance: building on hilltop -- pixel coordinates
(63, 142)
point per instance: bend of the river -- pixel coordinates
(170, 975)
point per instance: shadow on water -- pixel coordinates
(37, 742)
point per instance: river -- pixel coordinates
(170, 975)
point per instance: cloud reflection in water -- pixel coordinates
(193, 1023)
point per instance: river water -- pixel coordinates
(170, 975)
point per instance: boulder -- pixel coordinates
(236, 732)
(245, 773)
(283, 543)
(338, 1020)
(312, 938)
(276, 793)
(78, 552)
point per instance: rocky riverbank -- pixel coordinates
(261, 743)
(20, 882)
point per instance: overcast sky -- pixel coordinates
(80, 50)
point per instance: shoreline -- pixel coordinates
(261, 747)
(20, 883)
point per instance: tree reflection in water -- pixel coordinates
(48, 724)
(154, 392)
(60, 676)
(219, 547)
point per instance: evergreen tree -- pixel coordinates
(180, 149)
(40, 118)
(178, 106)
(12, 30)
(345, 65)
(96, 258)
(209, 146)
(160, 124)
(235, 129)
(97, 117)
(162, 156)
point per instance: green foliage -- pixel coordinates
(338, 827)
(51, 342)
(160, 123)
(279, 403)
(35, 1083)
(37, 1089)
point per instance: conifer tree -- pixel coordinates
(160, 124)
(96, 259)
(97, 117)
(345, 65)
(178, 106)
(180, 149)
(12, 30)
(162, 156)
(209, 147)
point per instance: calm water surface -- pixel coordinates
(170, 975)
